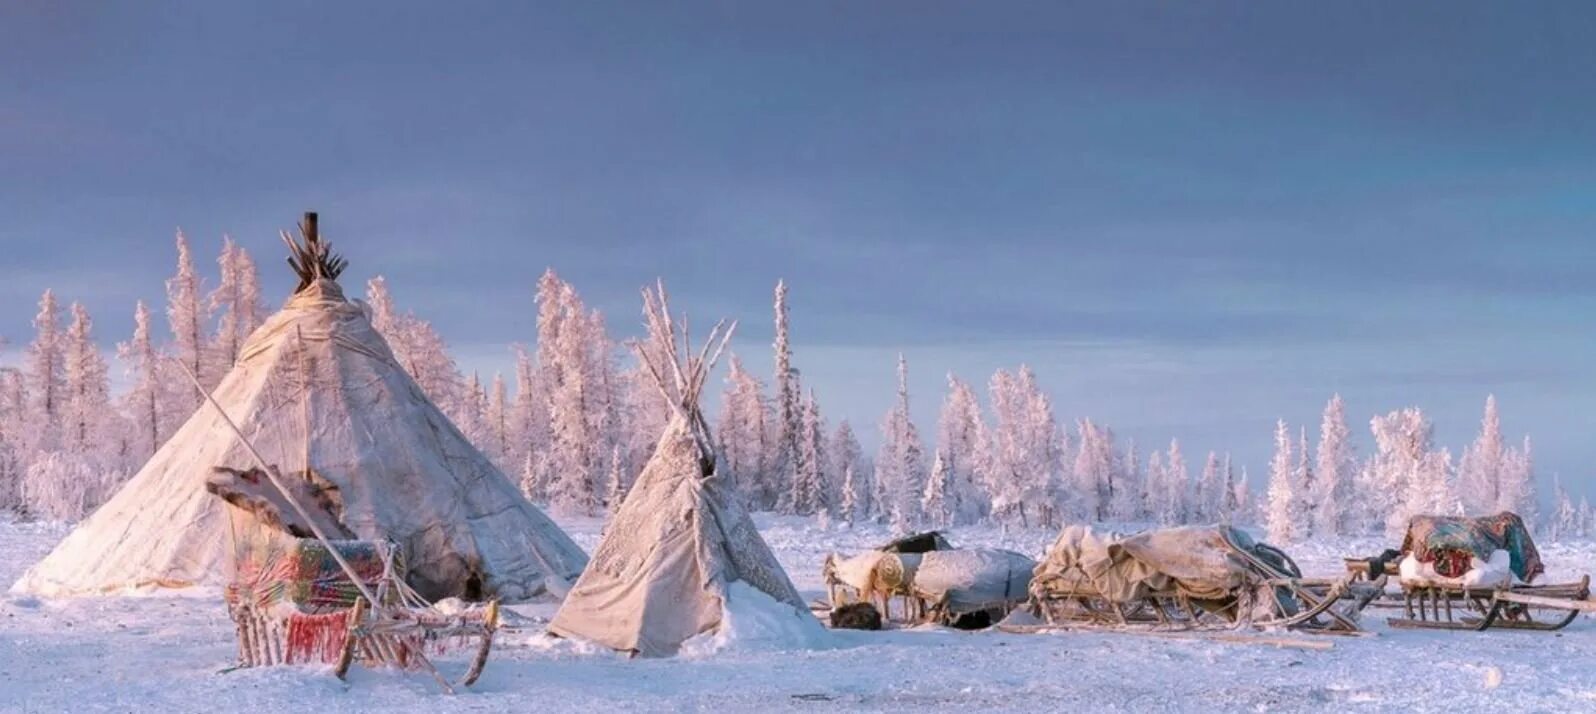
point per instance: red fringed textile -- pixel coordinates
(316, 638)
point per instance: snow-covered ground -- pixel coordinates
(166, 654)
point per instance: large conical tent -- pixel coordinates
(671, 556)
(316, 383)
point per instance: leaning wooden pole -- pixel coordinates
(271, 475)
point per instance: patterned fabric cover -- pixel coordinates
(300, 572)
(1452, 542)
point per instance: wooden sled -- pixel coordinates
(286, 624)
(1519, 607)
(1309, 605)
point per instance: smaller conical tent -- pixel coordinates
(672, 556)
(317, 390)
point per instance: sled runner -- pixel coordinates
(1474, 574)
(1191, 578)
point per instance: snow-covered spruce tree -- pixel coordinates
(147, 398)
(472, 415)
(46, 368)
(529, 419)
(60, 486)
(1402, 440)
(1210, 491)
(849, 507)
(1305, 484)
(900, 463)
(1230, 499)
(1246, 506)
(1337, 465)
(1130, 505)
(1155, 489)
(1518, 493)
(847, 461)
(13, 412)
(785, 464)
(420, 350)
(615, 484)
(1025, 455)
(1282, 518)
(237, 303)
(743, 430)
(960, 437)
(87, 409)
(1178, 481)
(187, 313)
(1480, 471)
(1094, 468)
(1585, 523)
(1564, 523)
(576, 358)
(808, 495)
(935, 502)
(498, 424)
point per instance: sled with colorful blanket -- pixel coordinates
(1461, 573)
(1189, 578)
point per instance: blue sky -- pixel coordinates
(1189, 218)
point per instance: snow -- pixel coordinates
(165, 654)
(755, 622)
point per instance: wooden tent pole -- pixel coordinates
(271, 475)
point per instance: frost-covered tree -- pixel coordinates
(847, 460)
(1517, 492)
(789, 412)
(1129, 505)
(87, 414)
(61, 486)
(471, 416)
(1246, 510)
(1283, 518)
(1402, 442)
(1305, 486)
(1178, 484)
(1564, 523)
(1156, 489)
(188, 314)
(900, 465)
(849, 508)
(808, 495)
(935, 503)
(1337, 465)
(615, 483)
(961, 438)
(147, 399)
(46, 369)
(13, 413)
(236, 302)
(497, 423)
(420, 350)
(1095, 468)
(1231, 499)
(1585, 523)
(1480, 471)
(529, 417)
(1025, 457)
(575, 356)
(1210, 491)
(743, 431)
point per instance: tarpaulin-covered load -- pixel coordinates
(1469, 552)
(1199, 562)
(952, 581)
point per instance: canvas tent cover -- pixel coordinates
(1197, 561)
(403, 472)
(1452, 543)
(660, 574)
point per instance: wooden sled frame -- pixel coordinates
(1173, 610)
(1542, 608)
